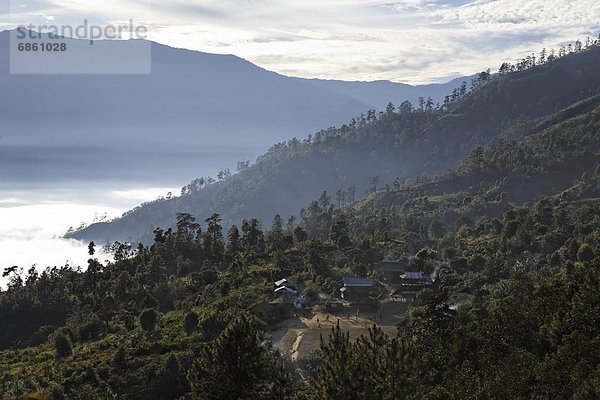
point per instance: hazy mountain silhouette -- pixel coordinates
(195, 113)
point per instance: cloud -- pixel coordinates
(409, 40)
(188, 9)
(30, 234)
(12, 202)
(139, 195)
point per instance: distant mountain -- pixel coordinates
(379, 93)
(195, 113)
(408, 144)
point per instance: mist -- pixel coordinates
(32, 223)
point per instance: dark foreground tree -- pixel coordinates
(336, 375)
(372, 367)
(237, 365)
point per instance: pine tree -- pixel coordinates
(253, 240)
(234, 245)
(335, 379)
(174, 379)
(235, 366)
(275, 238)
(214, 245)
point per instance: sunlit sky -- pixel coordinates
(412, 41)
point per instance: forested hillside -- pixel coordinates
(505, 238)
(558, 157)
(408, 141)
(513, 313)
(510, 239)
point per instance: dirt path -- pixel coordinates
(297, 337)
(296, 346)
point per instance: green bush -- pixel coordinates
(585, 253)
(62, 345)
(91, 329)
(190, 324)
(148, 319)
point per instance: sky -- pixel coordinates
(410, 41)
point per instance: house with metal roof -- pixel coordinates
(357, 282)
(358, 289)
(414, 281)
(285, 291)
(282, 282)
(285, 285)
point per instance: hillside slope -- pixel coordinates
(408, 143)
(557, 159)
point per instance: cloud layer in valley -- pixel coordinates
(32, 225)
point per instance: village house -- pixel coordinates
(390, 271)
(284, 283)
(358, 290)
(285, 291)
(414, 281)
(283, 306)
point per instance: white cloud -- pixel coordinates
(33, 222)
(408, 40)
(139, 195)
(30, 234)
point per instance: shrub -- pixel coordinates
(41, 335)
(190, 323)
(63, 346)
(91, 329)
(148, 319)
(585, 253)
(120, 360)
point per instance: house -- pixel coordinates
(390, 271)
(414, 281)
(283, 282)
(285, 285)
(286, 294)
(412, 265)
(285, 290)
(358, 289)
(333, 305)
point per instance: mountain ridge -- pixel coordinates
(399, 144)
(222, 107)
